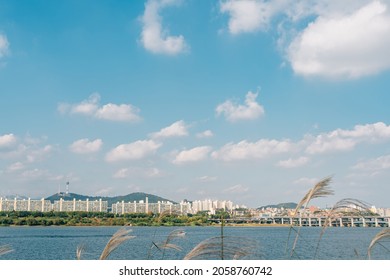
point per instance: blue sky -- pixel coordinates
(252, 101)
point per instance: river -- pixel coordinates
(60, 243)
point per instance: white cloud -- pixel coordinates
(192, 155)
(4, 45)
(110, 111)
(131, 172)
(368, 132)
(236, 189)
(325, 143)
(205, 134)
(15, 167)
(245, 150)
(122, 173)
(87, 107)
(345, 140)
(346, 45)
(339, 140)
(248, 15)
(37, 174)
(122, 112)
(7, 140)
(153, 37)
(292, 163)
(304, 181)
(153, 172)
(39, 154)
(377, 164)
(325, 38)
(176, 129)
(207, 178)
(84, 146)
(236, 112)
(133, 151)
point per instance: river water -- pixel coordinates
(60, 243)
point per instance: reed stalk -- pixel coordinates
(117, 239)
(233, 248)
(5, 249)
(378, 239)
(320, 189)
(355, 206)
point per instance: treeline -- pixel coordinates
(26, 218)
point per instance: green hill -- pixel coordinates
(286, 205)
(111, 200)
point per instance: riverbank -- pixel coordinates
(24, 218)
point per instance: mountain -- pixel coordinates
(111, 200)
(286, 205)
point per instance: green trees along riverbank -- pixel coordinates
(24, 218)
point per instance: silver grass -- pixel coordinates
(355, 206)
(117, 239)
(377, 240)
(5, 249)
(233, 248)
(320, 189)
(79, 251)
(178, 233)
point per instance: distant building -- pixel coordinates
(80, 205)
(384, 212)
(146, 207)
(211, 206)
(25, 205)
(58, 205)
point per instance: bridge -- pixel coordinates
(314, 221)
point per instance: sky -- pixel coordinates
(248, 101)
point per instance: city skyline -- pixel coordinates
(250, 101)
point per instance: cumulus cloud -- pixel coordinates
(7, 140)
(122, 112)
(112, 112)
(377, 164)
(40, 154)
(245, 150)
(345, 140)
(192, 155)
(148, 173)
(236, 112)
(329, 142)
(4, 45)
(133, 151)
(153, 37)
(248, 15)
(205, 134)
(26, 152)
(324, 38)
(351, 45)
(87, 107)
(292, 163)
(37, 174)
(177, 129)
(84, 146)
(338, 140)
